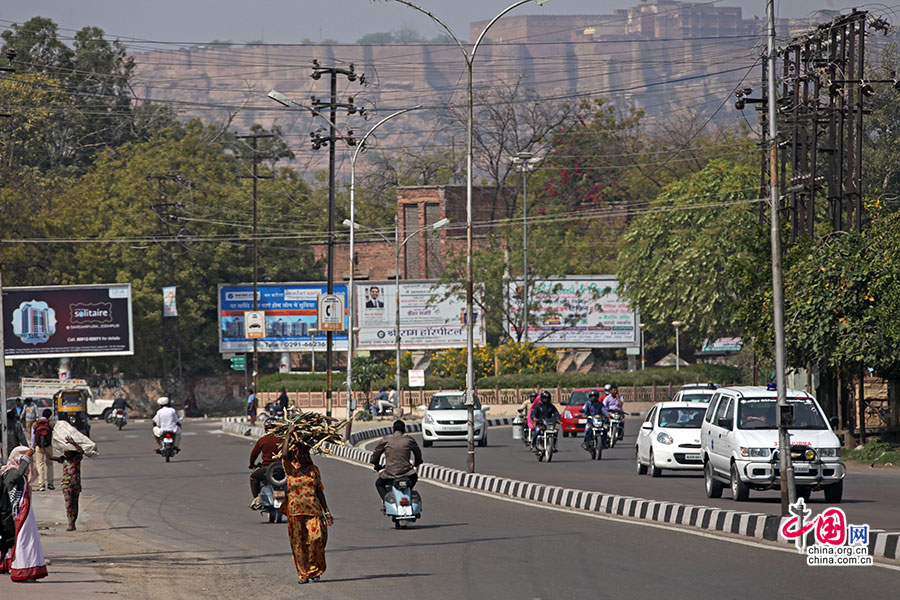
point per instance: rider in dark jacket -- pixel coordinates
(543, 411)
(592, 407)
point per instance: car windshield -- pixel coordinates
(759, 413)
(450, 402)
(686, 417)
(578, 397)
(696, 396)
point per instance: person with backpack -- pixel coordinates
(42, 440)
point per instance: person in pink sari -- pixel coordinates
(24, 557)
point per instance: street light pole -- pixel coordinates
(641, 325)
(469, 57)
(352, 288)
(676, 325)
(525, 163)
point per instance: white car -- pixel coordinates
(669, 438)
(695, 393)
(739, 444)
(446, 419)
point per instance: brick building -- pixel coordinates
(425, 255)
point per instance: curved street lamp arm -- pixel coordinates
(444, 25)
(362, 142)
(489, 25)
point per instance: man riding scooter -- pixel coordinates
(401, 458)
(267, 445)
(592, 407)
(166, 419)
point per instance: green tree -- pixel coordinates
(679, 259)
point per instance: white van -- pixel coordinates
(739, 441)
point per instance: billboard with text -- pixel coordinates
(575, 312)
(431, 316)
(291, 317)
(66, 321)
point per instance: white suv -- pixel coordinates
(739, 442)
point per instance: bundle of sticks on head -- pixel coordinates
(312, 430)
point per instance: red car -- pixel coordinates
(572, 422)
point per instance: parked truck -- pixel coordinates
(34, 387)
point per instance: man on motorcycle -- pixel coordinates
(543, 411)
(267, 445)
(614, 403)
(166, 419)
(398, 449)
(592, 407)
(121, 403)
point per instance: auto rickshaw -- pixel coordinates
(71, 405)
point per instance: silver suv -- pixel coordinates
(739, 445)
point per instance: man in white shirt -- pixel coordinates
(166, 419)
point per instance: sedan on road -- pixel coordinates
(695, 392)
(669, 438)
(446, 419)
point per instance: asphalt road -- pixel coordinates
(870, 496)
(183, 530)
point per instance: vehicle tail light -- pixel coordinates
(404, 501)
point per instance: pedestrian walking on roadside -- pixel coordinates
(306, 510)
(21, 554)
(252, 407)
(42, 441)
(29, 416)
(71, 481)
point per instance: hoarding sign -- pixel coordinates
(416, 378)
(254, 324)
(65, 321)
(290, 312)
(169, 307)
(331, 312)
(430, 316)
(576, 312)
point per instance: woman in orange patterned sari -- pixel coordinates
(306, 509)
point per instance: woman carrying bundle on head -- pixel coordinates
(21, 554)
(306, 509)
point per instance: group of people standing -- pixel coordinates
(30, 468)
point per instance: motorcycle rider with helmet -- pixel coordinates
(543, 411)
(267, 445)
(592, 407)
(166, 419)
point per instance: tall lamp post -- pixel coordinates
(469, 56)
(352, 288)
(677, 325)
(641, 326)
(398, 246)
(525, 163)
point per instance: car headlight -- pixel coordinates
(428, 420)
(664, 438)
(829, 452)
(479, 418)
(756, 452)
(567, 415)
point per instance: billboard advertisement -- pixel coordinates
(430, 316)
(290, 315)
(66, 321)
(575, 312)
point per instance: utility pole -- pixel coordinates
(164, 212)
(783, 418)
(331, 141)
(255, 177)
(4, 433)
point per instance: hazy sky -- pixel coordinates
(290, 21)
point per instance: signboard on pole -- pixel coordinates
(291, 312)
(331, 312)
(254, 324)
(416, 378)
(431, 316)
(169, 307)
(239, 362)
(575, 312)
(65, 321)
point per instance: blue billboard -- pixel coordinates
(291, 323)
